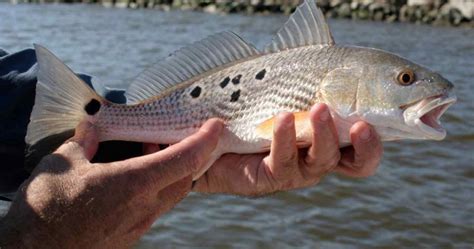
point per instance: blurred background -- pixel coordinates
(423, 193)
(438, 12)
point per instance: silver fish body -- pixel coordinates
(292, 81)
(224, 77)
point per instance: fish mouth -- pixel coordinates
(425, 115)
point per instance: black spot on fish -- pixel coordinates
(260, 74)
(236, 79)
(235, 96)
(92, 107)
(196, 92)
(225, 82)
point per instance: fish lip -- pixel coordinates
(429, 110)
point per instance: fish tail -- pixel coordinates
(62, 101)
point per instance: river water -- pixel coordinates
(421, 197)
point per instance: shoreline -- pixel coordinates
(434, 12)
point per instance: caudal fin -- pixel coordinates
(62, 99)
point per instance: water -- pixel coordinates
(422, 195)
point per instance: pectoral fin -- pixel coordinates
(302, 126)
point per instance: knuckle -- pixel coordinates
(210, 137)
(330, 161)
(289, 160)
(182, 189)
(94, 177)
(335, 158)
(193, 160)
(373, 146)
(206, 133)
(367, 169)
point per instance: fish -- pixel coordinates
(224, 76)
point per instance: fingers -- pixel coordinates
(164, 201)
(149, 148)
(366, 155)
(84, 143)
(323, 155)
(162, 168)
(283, 159)
(174, 193)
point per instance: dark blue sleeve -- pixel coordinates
(17, 90)
(3, 52)
(17, 93)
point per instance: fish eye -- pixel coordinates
(406, 77)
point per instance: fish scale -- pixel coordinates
(225, 77)
(173, 117)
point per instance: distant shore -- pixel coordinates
(436, 12)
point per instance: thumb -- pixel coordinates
(159, 170)
(85, 141)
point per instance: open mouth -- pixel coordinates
(427, 112)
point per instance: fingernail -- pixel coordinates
(365, 134)
(324, 115)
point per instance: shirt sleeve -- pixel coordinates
(17, 92)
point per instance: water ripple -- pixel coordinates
(422, 196)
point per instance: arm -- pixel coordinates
(17, 94)
(69, 202)
(287, 168)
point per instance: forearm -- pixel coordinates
(16, 233)
(10, 238)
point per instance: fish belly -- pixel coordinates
(243, 96)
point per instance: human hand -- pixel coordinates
(287, 167)
(18, 73)
(72, 203)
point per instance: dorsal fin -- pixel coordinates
(197, 58)
(306, 26)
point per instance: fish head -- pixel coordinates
(401, 99)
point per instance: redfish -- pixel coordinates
(225, 77)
